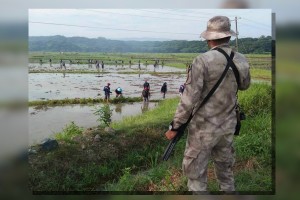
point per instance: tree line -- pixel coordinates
(81, 44)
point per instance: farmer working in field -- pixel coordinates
(119, 92)
(212, 127)
(102, 64)
(107, 92)
(97, 65)
(146, 85)
(164, 89)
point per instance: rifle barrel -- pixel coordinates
(170, 148)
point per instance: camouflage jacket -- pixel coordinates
(218, 114)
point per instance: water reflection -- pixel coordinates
(118, 108)
(88, 85)
(45, 121)
(145, 106)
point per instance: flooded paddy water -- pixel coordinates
(62, 84)
(48, 86)
(55, 83)
(45, 122)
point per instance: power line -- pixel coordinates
(207, 14)
(97, 27)
(173, 14)
(98, 11)
(258, 23)
(237, 34)
(203, 13)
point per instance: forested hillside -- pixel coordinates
(81, 44)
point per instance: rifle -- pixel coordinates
(174, 141)
(181, 129)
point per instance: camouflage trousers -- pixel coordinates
(219, 147)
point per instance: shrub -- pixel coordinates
(68, 132)
(104, 114)
(256, 100)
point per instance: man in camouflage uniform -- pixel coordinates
(212, 128)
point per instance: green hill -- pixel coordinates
(81, 44)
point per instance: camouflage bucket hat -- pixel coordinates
(218, 27)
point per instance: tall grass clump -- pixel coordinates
(254, 141)
(129, 182)
(70, 131)
(257, 99)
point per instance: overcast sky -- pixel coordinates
(171, 24)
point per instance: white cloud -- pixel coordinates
(253, 22)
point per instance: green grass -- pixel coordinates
(57, 102)
(253, 180)
(260, 63)
(159, 117)
(170, 59)
(256, 100)
(253, 152)
(110, 58)
(177, 65)
(69, 132)
(113, 154)
(130, 160)
(263, 74)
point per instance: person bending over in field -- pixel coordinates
(119, 92)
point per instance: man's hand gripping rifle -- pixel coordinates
(176, 138)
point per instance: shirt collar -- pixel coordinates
(226, 45)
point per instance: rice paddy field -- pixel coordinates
(62, 105)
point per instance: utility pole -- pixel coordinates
(236, 38)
